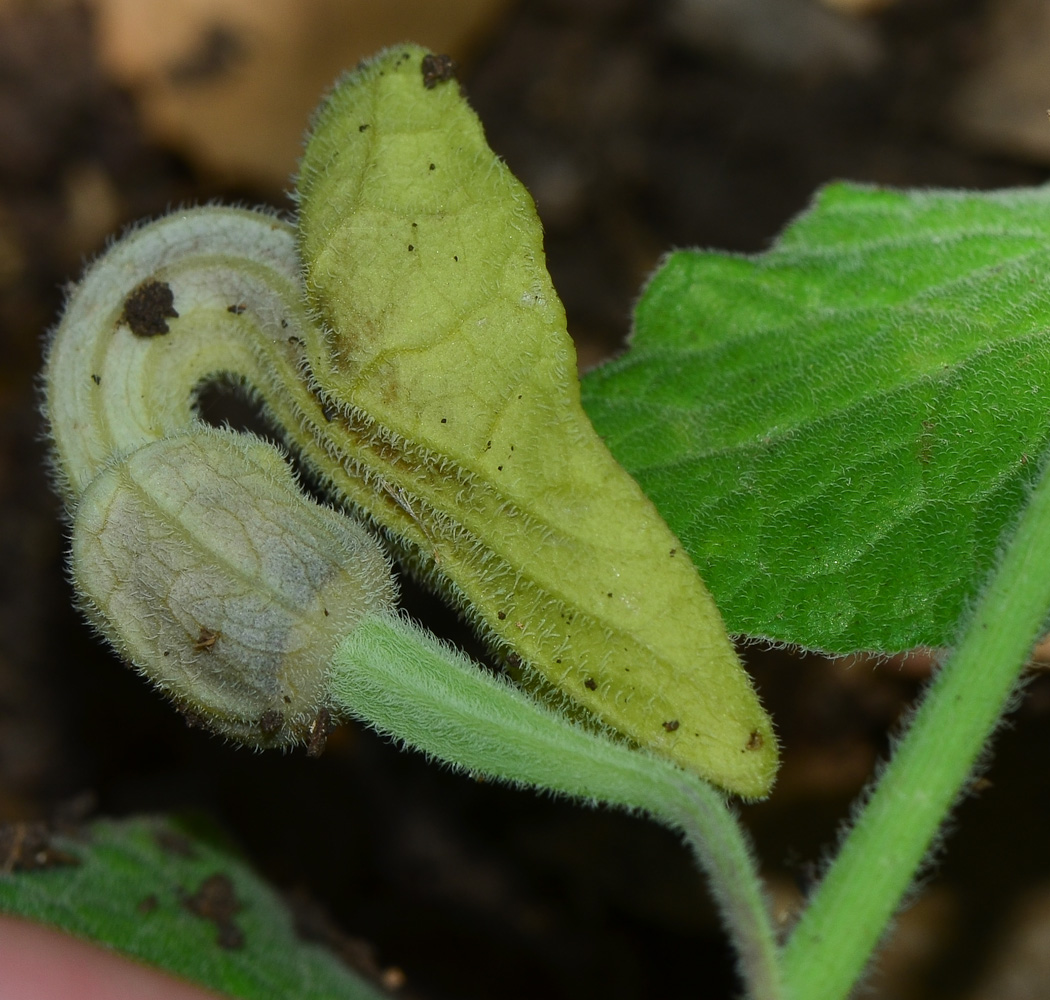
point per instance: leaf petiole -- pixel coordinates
(406, 683)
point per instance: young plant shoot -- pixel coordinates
(408, 342)
(869, 386)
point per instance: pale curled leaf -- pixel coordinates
(201, 295)
(205, 565)
(195, 552)
(839, 430)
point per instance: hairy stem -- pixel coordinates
(853, 904)
(409, 685)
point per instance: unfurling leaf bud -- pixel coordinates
(204, 564)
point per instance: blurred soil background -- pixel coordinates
(638, 125)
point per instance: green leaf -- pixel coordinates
(839, 430)
(153, 891)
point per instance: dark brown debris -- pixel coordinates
(148, 309)
(437, 69)
(319, 730)
(216, 901)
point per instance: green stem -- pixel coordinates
(408, 684)
(856, 899)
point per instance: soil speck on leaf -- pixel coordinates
(148, 308)
(206, 639)
(437, 69)
(216, 901)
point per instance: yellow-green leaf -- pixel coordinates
(446, 359)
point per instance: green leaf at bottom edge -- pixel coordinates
(148, 889)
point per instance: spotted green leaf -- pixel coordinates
(153, 890)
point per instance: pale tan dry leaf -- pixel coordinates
(231, 83)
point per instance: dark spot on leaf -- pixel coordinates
(755, 741)
(674, 552)
(27, 847)
(444, 420)
(437, 69)
(591, 684)
(207, 638)
(174, 843)
(501, 615)
(97, 379)
(410, 247)
(362, 128)
(672, 725)
(148, 308)
(217, 902)
(237, 308)
(433, 166)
